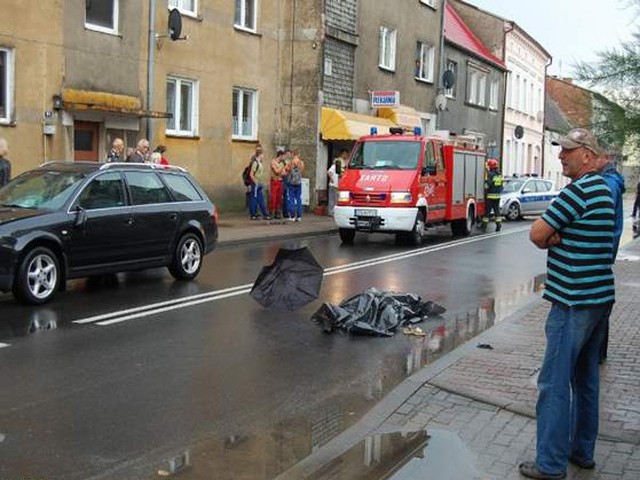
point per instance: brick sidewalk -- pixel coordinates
(488, 397)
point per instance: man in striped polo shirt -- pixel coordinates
(577, 229)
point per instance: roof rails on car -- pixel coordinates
(150, 166)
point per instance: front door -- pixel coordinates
(85, 141)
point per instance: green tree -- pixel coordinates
(617, 74)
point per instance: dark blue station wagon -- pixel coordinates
(67, 220)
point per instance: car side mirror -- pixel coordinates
(526, 190)
(81, 216)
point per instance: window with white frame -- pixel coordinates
(515, 99)
(6, 84)
(494, 94)
(387, 48)
(101, 15)
(453, 67)
(245, 114)
(182, 103)
(245, 14)
(424, 61)
(186, 7)
(477, 86)
(431, 3)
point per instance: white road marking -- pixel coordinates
(169, 305)
(2, 345)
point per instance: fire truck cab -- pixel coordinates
(405, 183)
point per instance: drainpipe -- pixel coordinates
(506, 30)
(544, 111)
(150, 64)
(440, 88)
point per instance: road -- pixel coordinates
(121, 375)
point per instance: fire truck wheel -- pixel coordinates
(415, 236)
(347, 235)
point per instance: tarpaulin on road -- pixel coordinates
(375, 312)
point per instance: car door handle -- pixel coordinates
(173, 216)
(129, 221)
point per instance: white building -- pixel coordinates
(523, 136)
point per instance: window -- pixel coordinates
(187, 7)
(477, 87)
(494, 95)
(424, 62)
(245, 14)
(387, 48)
(181, 188)
(182, 103)
(146, 188)
(453, 67)
(106, 191)
(245, 118)
(6, 84)
(101, 15)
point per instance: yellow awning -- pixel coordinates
(343, 125)
(107, 102)
(403, 116)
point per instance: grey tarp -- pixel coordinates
(375, 312)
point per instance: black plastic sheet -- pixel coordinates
(375, 312)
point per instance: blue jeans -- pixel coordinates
(568, 386)
(256, 199)
(295, 201)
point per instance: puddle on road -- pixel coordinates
(444, 336)
(431, 453)
(408, 455)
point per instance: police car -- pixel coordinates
(526, 196)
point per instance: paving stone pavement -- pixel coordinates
(488, 396)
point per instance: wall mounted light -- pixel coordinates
(57, 102)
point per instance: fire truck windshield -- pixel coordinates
(386, 155)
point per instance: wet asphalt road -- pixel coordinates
(246, 391)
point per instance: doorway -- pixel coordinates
(85, 141)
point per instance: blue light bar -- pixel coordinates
(417, 131)
(374, 131)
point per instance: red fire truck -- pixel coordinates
(405, 183)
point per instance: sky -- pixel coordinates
(570, 30)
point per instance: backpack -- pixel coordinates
(246, 175)
(295, 177)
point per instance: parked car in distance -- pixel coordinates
(67, 220)
(526, 196)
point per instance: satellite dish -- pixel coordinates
(441, 102)
(519, 132)
(448, 79)
(175, 24)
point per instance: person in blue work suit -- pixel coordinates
(615, 182)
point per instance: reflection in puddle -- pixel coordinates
(445, 336)
(38, 320)
(403, 456)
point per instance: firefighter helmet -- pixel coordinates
(492, 164)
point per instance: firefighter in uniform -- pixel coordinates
(492, 191)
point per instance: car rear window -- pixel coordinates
(146, 188)
(181, 188)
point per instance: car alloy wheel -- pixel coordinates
(38, 276)
(188, 258)
(513, 212)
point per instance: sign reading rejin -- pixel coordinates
(385, 98)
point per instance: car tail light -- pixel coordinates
(214, 215)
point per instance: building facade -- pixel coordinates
(474, 104)
(526, 61)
